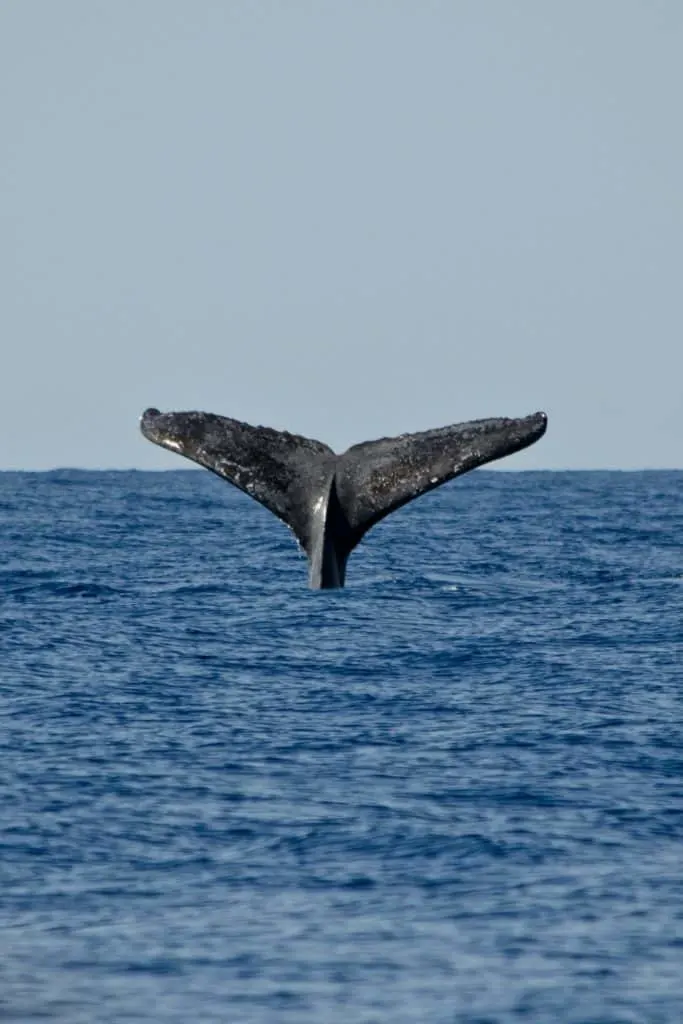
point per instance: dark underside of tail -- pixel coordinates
(330, 501)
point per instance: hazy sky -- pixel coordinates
(348, 219)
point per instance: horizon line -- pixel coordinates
(480, 469)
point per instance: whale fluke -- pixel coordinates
(330, 501)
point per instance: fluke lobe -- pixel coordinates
(330, 501)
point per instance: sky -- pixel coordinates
(348, 220)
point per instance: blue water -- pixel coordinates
(452, 792)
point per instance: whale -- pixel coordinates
(330, 501)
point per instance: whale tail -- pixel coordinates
(330, 501)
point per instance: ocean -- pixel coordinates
(451, 793)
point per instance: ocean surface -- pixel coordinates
(451, 793)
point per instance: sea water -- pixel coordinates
(452, 792)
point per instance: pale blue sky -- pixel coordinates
(348, 219)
